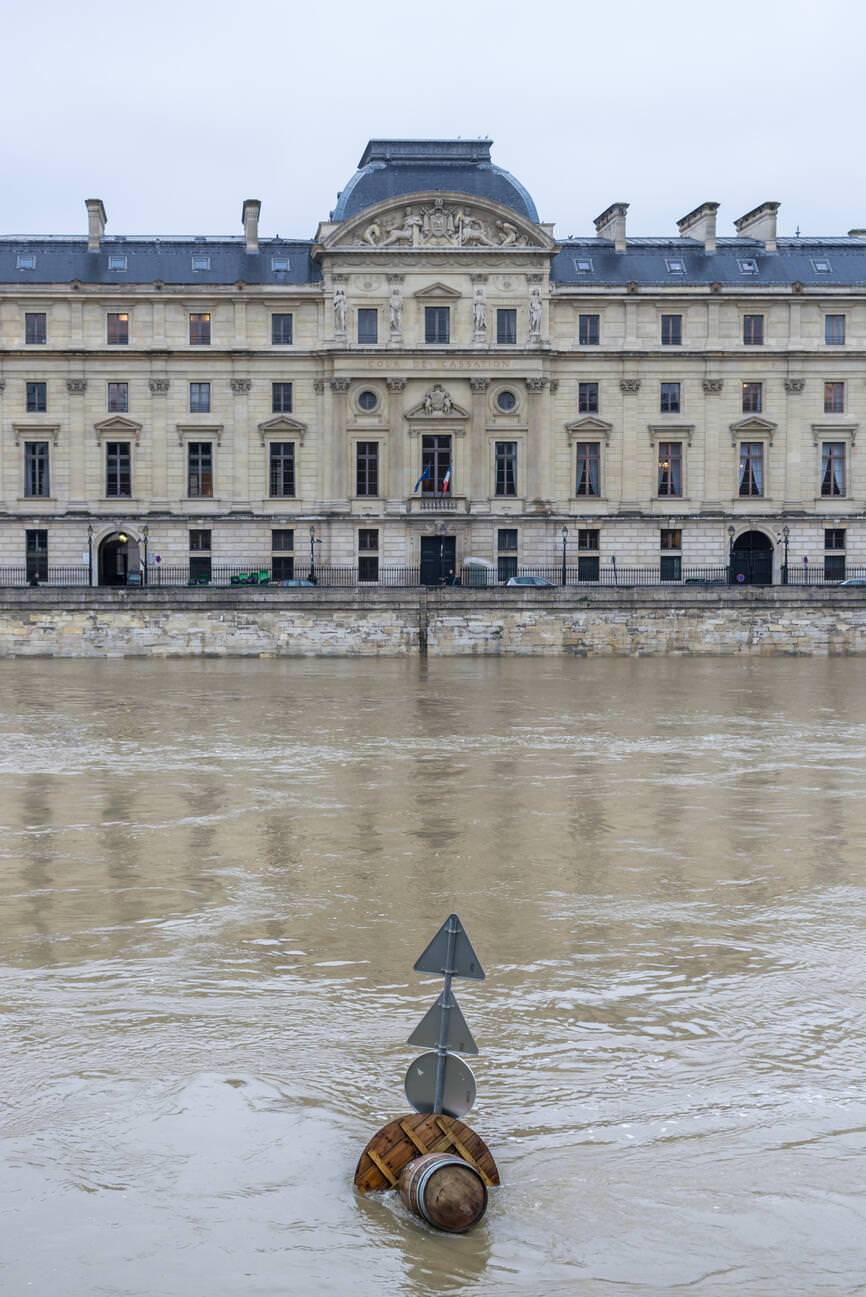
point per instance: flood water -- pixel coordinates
(215, 877)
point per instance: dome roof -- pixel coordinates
(391, 168)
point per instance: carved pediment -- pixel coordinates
(282, 425)
(437, 404)
(589, 428)
(752, 426)
(117, 425)
(434, 221)
(437, 290)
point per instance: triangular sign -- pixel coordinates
(458, 1036)
(464, 961)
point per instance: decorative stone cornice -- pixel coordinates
(437, 404)
(240, 386)
(712, 386)
(395, 279)
(36, 431)
(834, 432)
(536, 385)
(752, 426)
(340, 385)
(535, 279)
(395, 384)
(282, 425)
(671, 432)
(554, 385)
(589, 429)
(199, 432)
(478, 279)
(794, 385)
(119, 427)
(319, 385)
(158, 386)
(478, 384)
(76, 386)
(629, 385)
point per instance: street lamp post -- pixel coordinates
(564, 534)
(314, 541)
(730, 553)
(145, 535)
(90, 553)
(786, 532)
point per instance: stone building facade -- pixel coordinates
(435, 376)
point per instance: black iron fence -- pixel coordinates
(21, 575)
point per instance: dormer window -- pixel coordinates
(583, 265)
(117, 261)
(26, 261)
(675, 265)
(821, 266)
(748, 265)
(200, 261)
(280, 264)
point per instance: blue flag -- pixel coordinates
(422, 478)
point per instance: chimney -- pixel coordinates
(760, 223)
(251, 209)
(700, 224)
(611, 225)
(96, 219)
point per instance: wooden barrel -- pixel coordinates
(445, 1191)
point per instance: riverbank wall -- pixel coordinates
(265, 622)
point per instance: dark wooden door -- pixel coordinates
(438, 560)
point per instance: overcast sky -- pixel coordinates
(174, 111)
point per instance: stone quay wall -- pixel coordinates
(52, 622)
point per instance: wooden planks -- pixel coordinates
(415, 1135)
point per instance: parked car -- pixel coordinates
(854, 580)
(297, 580)
(538, 582)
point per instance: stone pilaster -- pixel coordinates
(338, 451)
(538, 448)
(77, 441)
(711, 498)
(479, 460)
(795, 440)
(633, 448)
(158, 443)
(396, 488)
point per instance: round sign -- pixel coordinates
(458, 1094)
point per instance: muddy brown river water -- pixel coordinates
(215, 877)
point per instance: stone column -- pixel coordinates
(337, 450)
(158, 444)
(538, 448)
(322, 486)
(791, 429)
(478, 468)
(77, 387)
(240, 324)
(397, 486)
(240, 442)
(712, 444)
(633, 450)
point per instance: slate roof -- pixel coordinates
(391, 168)
(61, 260)
(645, 261)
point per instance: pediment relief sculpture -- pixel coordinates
(437, 404)
(436, 221)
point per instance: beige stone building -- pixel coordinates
(433, 377)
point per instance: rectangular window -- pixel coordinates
(26, 261)
(751, 479)
(118, 469)
(200, 540)
(506, 325)
(282, 567)
(506, 468)
(672, 330)
(367, 468)
(670, 538)
(199, 398)
(281, 398)
(118, 398)
(283, 539)
(587, 398)
(368, 554)
(437, 324)
(670, 567)
(37, 398)
(670, 468)
(670, 398)
(36, 554)
(117, 328)
(506, 553)
(753, 330)
(199, 329)
(834, 398)
(282, 468)
(280, 265)
(35, 328)
(589, 468)
(587, 538)
(117, 261)
(282, 329)
(834, 538)
(833, 468)
(834, 330)
(37, 481)
(200, 461)
(368, 325)
(753, 398)
(436, 465)
(589, 330)
(200, 261)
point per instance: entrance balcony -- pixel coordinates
(436, 502)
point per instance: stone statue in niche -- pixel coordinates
(339, 310)
(479, 312)
(535, 315)
(395, 310)
(438, 401)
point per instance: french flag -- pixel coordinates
(446, 481)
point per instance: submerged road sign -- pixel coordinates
(458, 1035)
(458, 960)
(457, 1084)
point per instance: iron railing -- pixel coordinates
(17, 575)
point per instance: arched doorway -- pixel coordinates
(752, 559)
(119, 562)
